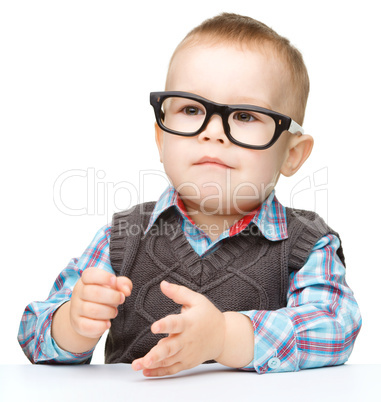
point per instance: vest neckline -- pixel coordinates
(201, 268)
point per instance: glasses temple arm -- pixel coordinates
(295, 128)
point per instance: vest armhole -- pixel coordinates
(305, 229)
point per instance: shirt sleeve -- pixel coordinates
(320, 323)
(35, 327)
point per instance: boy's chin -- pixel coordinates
(226, 208)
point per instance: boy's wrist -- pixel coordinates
(65, 335)
(238, 347)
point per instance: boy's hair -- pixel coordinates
(246, 31)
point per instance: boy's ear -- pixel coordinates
(159, 140)
(300, 147)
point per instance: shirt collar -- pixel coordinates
(270, 217)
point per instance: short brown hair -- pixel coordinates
(242, 30)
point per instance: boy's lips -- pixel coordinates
(207, 160)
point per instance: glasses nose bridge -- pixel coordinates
(217, 109)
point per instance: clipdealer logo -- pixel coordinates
(102, 197)
(314, 189)
(79, 192)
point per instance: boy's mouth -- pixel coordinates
(210, 161)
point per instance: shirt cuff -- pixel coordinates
(51, 353)
(275, 348)
(62, 356)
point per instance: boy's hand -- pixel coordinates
(95, 299)
(195, 336)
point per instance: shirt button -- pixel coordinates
(273, 363)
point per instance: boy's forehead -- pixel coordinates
(247, 70)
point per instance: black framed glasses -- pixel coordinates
(248, 126)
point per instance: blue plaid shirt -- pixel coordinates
(318, 327)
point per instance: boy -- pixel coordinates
(217, 269)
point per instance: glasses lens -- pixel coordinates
(251, 128)
(183, 115)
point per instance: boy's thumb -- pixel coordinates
(179, 294)
(124, 285)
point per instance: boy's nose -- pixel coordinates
(214, 131)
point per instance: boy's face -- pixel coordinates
(231, 179)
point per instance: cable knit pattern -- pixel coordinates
(247, 272)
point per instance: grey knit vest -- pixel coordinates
(246, 272)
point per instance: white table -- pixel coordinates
(213, 382)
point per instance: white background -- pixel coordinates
(75, 78)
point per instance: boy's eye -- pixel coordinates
(192, 110)
(245, 117)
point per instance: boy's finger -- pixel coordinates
(137, 364)
(164, 354)
(101, 295)
(97, 276)
(124, 285)
(160, 354)
(97, 311)
(92, 328)
(171, 324)
(179, 294)
(164, 371)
